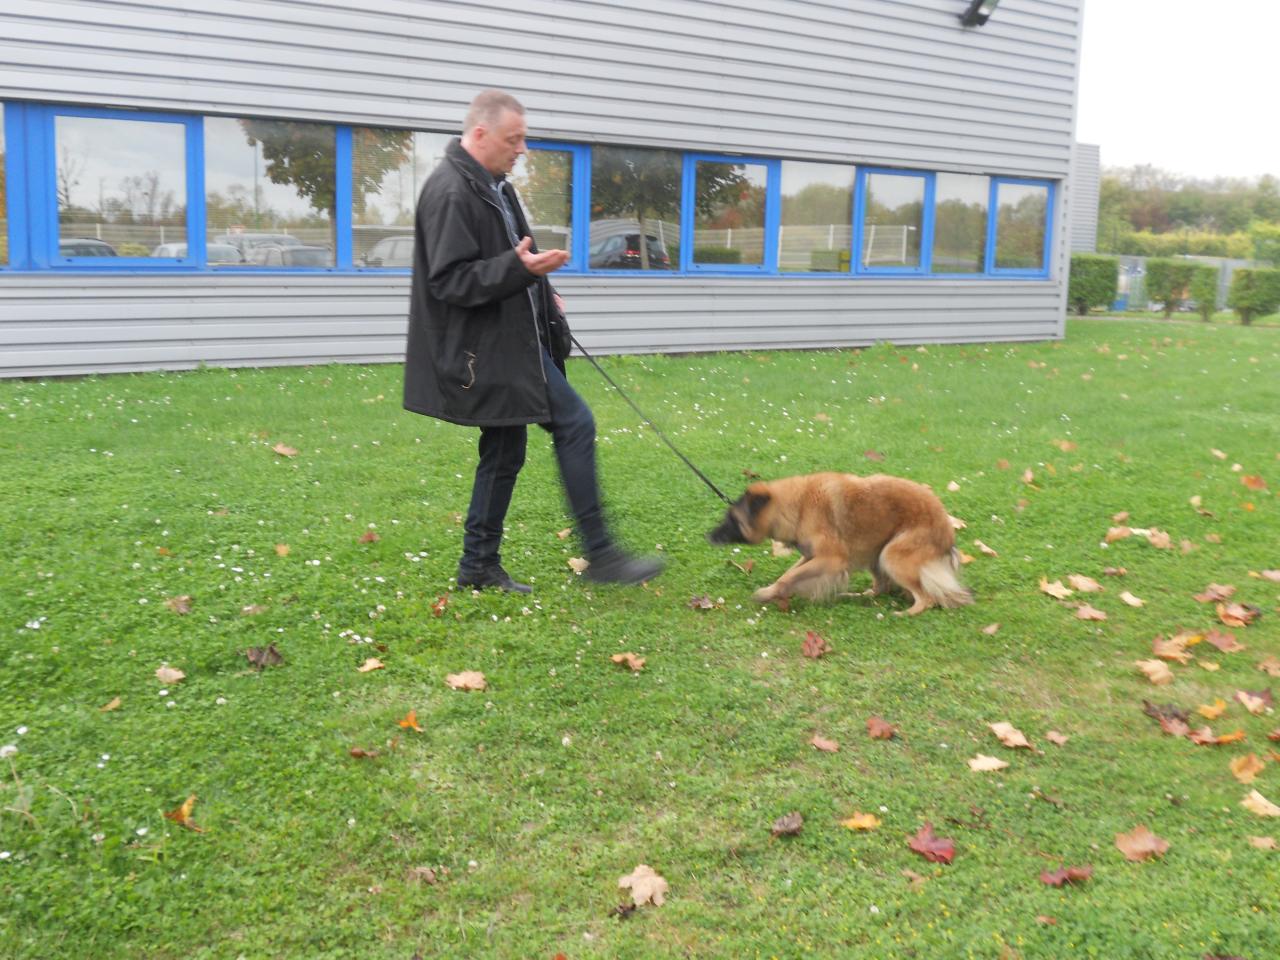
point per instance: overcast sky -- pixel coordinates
(1186, 85)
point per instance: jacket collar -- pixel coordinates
(468, 165)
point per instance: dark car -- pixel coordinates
(246, 243)
(85, 247)
(622, 252)
(390, 252)
(296, 255)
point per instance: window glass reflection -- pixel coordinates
(388, 169)
(817, 217)
(269, 191)
(634, 192)
(544, 181)
(729, 207)
(960, 223)
(121, 187)
(893, 219)
(1021, 210)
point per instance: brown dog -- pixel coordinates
(897, 529)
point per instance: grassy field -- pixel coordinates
(502, 827)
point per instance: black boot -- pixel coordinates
(615, 565)
(493, 576)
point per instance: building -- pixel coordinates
(233, 183)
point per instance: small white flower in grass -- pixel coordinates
(22, 731)
(141, 831)
(98, 837)
(874, 908)
(566, 741)
(351, 821)
(8, 750)
(221, 701)
(106, 756)
(5, 854)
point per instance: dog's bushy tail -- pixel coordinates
(938, 578)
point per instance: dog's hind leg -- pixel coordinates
(899, 563)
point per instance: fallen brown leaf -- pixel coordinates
(814, 645)
(267, 656)
(180, 604)
(990, 629)
(1175, 648)
(788, 825)
(825, 745)
(282, 549)
(1270, 666)
(182, 814)
(1053, 736)
(646, 886)
(360, 753)
(1237, 614)
(1117, 533)
(1257, 803)
(1055, 589)
(1086, 612)
(985, 764)
(369, 537)
(1246, 768)
(1009, 735)
(373, 663)
(168, 674)
(1131, 600)
(703, 602)
(112, 705)
(629, 660)
(1156, 671)
(1264, 843)
(1140, 844)
(284, 451)
(1057, 878)
(1084, 584)
(880, 729)
(410, 721)
(933, 848)
(1215, 592)
(467, 680)
(1212, 711)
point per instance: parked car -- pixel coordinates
(622, 252)
(246, 243)
(85, 247)
(296, 255)
(215, 253)
(390, 252)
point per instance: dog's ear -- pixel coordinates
(755, 503)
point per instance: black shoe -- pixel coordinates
(615, 565)
(493, 576)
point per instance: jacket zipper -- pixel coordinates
(536, 333)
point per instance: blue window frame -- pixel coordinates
(720, 190)
(886, 247)
(717, 214)
(1013, 247)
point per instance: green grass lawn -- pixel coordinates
(531, 799)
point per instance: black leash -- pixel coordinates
(688, 463)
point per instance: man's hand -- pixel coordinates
(540, 264)
(559, 301)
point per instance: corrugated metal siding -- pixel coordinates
(892, 82)
(1086, 177)
(173, 322)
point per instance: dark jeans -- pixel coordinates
(502, 452)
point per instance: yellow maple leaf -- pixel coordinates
(861, 821)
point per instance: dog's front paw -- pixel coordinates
(765, 595)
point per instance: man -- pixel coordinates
(488, 340)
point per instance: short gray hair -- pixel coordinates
(487, 107)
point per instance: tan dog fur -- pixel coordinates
(896, 528)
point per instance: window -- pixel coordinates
(891, 222)
(960, 223)
(120, 187)
(388, 169)
(543, 178)
(634, 192)
(729, 200)
(269, 186)
(1022, 213)
(815, 234)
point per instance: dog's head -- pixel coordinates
(745, 520)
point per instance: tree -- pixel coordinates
(1254, 293)
(1167, 282)
(1204, 290)
(1266, 242)
(1092, 281)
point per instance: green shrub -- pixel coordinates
(1254, 293)
(131, 249)
(829, 260)
(1092, 282)
(1204, 290)
(1167, 282)
(717, 255)
(1143, 243)
(1266, 242)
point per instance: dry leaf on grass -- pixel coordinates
(360, 753)
(1212, 711)
(1131, 600)
(467, 680)
(789, 825)
(262, 657)
(1053, 736)
(861, 821)
(1246, 768)
(410, 722)
(112, 705)
(182, 815)
(1159, 539)
(1174, 727)
(180, 604)
(825, 745)
(1055, 589)
(985, 764)
(780, 549)
(880, 729)
(564, 534)
(1264, 843)
(1226, 642)
(646, 886)
(1084, 584)
(990, 629)
(1272, 575)
(703, 602)
(1140, 844)
(1257, 803)
(1156, 670)
(629, 660)
(284, 451)
(1270, 666)
(1086, 612)
(1237, 614)
(1253, 482)
(814, 645)
(1057, 878)
(282, 549)
(167, 674)
(1215, 592)
(437, 608)
(578, 564)
(1009, 735)
(373, 663)
(1255, 703)
(1175, 648)
(1117, 533)
(369, 537)
(933, 848)
(985, 549)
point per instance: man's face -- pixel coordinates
(500, 145)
